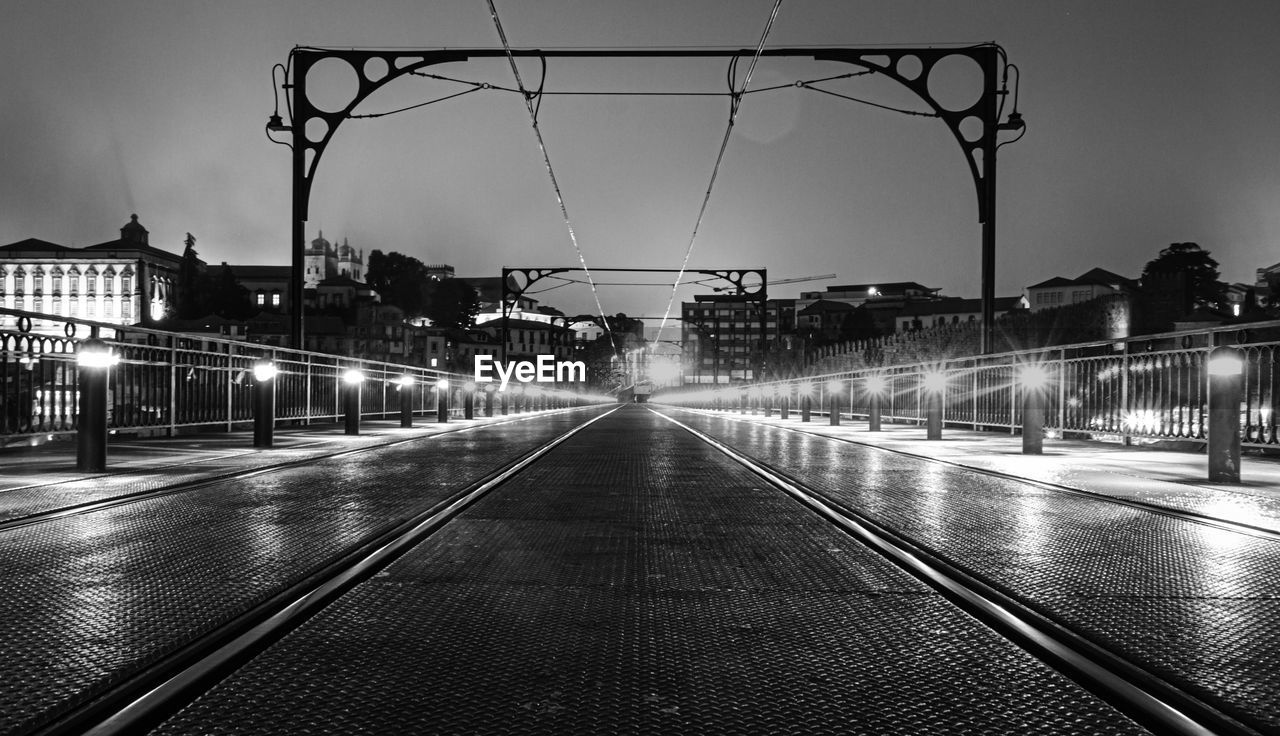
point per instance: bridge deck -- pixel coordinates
(633, 580)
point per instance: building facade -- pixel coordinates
(124, 281)
(724, 341)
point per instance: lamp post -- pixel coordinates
(264, 403)
(405, 387)
(1226, 390)
(1035, 381)
(833, 389)
(351, 381)
(442, 401)
(875, 390)
(935, 385)
(94, 360)
(468, 400)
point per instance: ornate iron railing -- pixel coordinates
(1150, 387)
(165, 381)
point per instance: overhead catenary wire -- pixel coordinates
(715, 170)
(546, 157)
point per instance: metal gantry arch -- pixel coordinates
(975, 126)
(741, 282)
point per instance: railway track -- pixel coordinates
(147, 699)
(143, 699)
(1150, 700)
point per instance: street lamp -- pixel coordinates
(351, 380)
(404, 384)
(94, 359)
(1034, 379)
(264, 403)
(834, 388)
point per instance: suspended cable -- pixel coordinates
(564, 211)
(869, 102)
(715, 170)
(477, 88)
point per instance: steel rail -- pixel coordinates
(1148, 699)
(1238, 527)
(143, 700)
(86, 507)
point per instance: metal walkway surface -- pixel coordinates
(629, 577)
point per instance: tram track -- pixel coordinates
(142, 700)
(62, 512)
(1143, 696)
(1180, 514)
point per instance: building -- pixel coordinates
(1059, 291)
(723, 340)
(268, 286)
(856, 295)
(952, 311)
(123, 281)
(322, 260)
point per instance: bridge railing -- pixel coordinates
(1150, 387)
(165, 381)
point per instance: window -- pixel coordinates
(75, 309)
(262, 299)
(75, 285)
(37, 304)
(91, 308)
(275, 298)
(108, 282)
(107, 311)
(124, 284)
(57, 284)
(126, 309)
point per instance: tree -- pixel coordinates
(1187, 269)
(226, 297)
(400, 280)
(451, 303)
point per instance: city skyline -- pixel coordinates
(1147, 124)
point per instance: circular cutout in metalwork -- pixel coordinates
(24, 324)
(955, 82)
(69, 329)
(909, 66)
(971, 128)
(332, 84)
(375, 68)
(317, 128)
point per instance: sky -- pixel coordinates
(1149, 122)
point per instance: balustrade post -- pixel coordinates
(351, 383)
(1226, 391)
(442, 401)
(94, 359)
(406, 384)
(264, 407)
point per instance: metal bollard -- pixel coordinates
(94, 360)
(935, 386)
(351, 400)
(264, 404)
(1226, 391)
(406, 401)
(1034, 380)
(873, 417)
(784, 411)
(442, 401)
(488, 401)
(806, 407)
(833, 390)
(469, 403)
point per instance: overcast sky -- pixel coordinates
(1149, 123)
